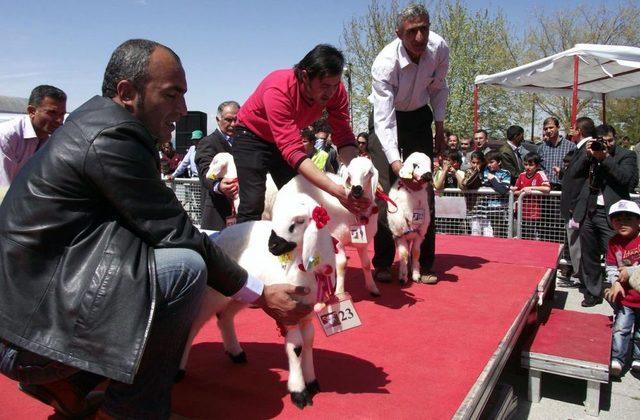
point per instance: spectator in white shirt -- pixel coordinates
(409, 92)
(21, 137)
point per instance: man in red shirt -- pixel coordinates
(269, 130)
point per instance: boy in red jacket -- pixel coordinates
(623, 258)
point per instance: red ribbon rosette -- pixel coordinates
(320, 216)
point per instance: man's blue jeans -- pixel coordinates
(627, 321)
(181, 280)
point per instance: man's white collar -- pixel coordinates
(583, 141)
(29, 132)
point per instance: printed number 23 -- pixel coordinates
(346, 314)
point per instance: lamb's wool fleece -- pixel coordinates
(223, 166)
(405, 227)
(359, 173)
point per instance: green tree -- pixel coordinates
(624, 114)
(363, 37)
(478, 44)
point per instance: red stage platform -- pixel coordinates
(422, 352)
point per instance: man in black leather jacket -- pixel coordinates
(101, 270)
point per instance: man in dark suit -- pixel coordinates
(611, 173)
(217, 196)
(511, 159)
(572, 181)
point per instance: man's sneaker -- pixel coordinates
(382, 274)
(635, 366)
(616, 368)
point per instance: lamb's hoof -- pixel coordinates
(375, 293)
(180, 374)
(313, 387)
(301, 399)
(297, 350)
(238, 358)
(402, 282)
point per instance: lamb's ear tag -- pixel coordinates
(312, 262)
(358, 234)
(285, 259)
(338, 316)
(418, 218)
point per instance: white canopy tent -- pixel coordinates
(585, 71)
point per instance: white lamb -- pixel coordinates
(361, 178)
(310, 263)
(410, 220)
(223, 166)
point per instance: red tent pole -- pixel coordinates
(475, 108)
(604, 108)
(574, 100)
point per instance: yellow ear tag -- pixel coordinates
(285, 259)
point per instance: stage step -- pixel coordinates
(573, 344)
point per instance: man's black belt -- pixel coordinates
(246, 132)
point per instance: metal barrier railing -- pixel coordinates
(483, 212)
(187, 191)
(480, 212)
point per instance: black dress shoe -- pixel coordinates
(382, 274)
(590, 300)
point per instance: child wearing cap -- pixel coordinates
(623, 257)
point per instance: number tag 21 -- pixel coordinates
(338, 317)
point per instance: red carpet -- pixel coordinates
(419, 351)
(558, 336)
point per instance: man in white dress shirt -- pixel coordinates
(22, 137)
(409, 92)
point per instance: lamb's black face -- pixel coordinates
(279, 245)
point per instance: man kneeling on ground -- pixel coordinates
(102, 271)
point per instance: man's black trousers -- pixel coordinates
(595, 233)
(254, 158)
(414, 135)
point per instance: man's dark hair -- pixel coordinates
(363, 134)
(321, 125)
(532, 157)
(586, 126)
(324, 60)
(494, 155)
(514, 131)
(604, 129)
(482, 130)
(548, 119)
(130, 61)
(43, 91)
(308, 135)
(478, 155)
(452, 155)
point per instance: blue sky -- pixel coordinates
(226, 46)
